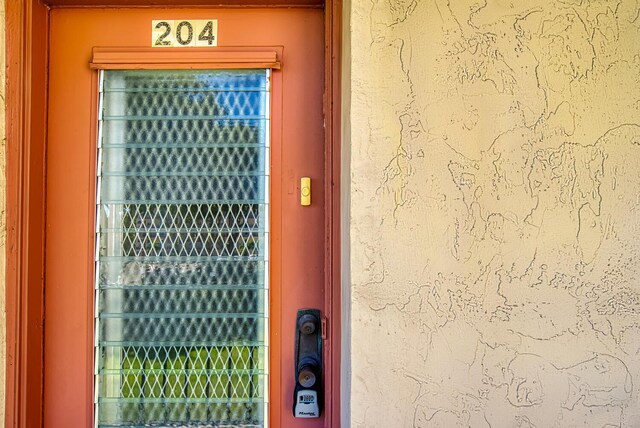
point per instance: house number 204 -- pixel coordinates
(167, 33)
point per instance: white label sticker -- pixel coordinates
(184, 33)
(307, 404)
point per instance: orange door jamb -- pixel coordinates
(27, 33)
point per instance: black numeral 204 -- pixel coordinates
(184, 33)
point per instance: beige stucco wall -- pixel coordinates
(494, 213)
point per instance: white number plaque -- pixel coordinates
(184, 33)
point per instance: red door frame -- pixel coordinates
(27, 43)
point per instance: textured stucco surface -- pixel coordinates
(495, 213)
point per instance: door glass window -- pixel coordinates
(182, 248)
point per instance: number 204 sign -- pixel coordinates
(187, 33)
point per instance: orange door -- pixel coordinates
(97, 137)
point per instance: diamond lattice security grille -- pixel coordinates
(182, 246)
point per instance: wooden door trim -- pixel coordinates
(26, 28)
(125, 58)
(27, 32)
(316, 4)
(333, 284)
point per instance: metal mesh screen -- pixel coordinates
(182, 248)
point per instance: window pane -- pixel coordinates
(182, 248)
